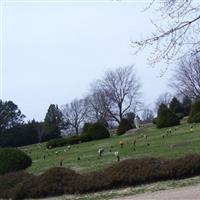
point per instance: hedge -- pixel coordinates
(63, 142)
(130, 172)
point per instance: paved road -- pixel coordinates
(184, 193)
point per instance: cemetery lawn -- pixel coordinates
(180, 142)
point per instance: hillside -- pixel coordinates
(182, 140)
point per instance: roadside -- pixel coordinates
(184, 193)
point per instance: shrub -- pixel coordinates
(85, 137)
(180, 115)
(53, 182)
(12, 159)
(129, 172)
(90, 132)
(166, 117)
(10, 180)
(94, 131)
(195, 109)
(63, 142)
(154, 120)
(123, 127)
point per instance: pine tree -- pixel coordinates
(52, 122)
(176, 106)
(166, 118)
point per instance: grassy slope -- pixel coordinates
(180, 142)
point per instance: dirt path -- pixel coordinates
(184, 193)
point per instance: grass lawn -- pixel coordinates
(180, 142)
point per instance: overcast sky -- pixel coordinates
(52, 52)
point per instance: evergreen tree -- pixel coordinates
(187, 102)
(10, 116)
(194, 116)
(166, 118)
(52, 122)
(23, 134)
(176, 106)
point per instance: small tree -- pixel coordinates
(194, 116)
(166, 118)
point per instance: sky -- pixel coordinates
(52, 52)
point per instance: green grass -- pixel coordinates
(178, 143)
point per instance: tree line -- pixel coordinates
(115, 97)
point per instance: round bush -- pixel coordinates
(124, 126)
(166, 117)
(94, 131)
(195, 109)
(12, 159)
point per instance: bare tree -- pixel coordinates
(118, 92)
(186, 78)
(74, 114)
(164, 98)
(147, 115)
(96, 112)
(177, 34)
